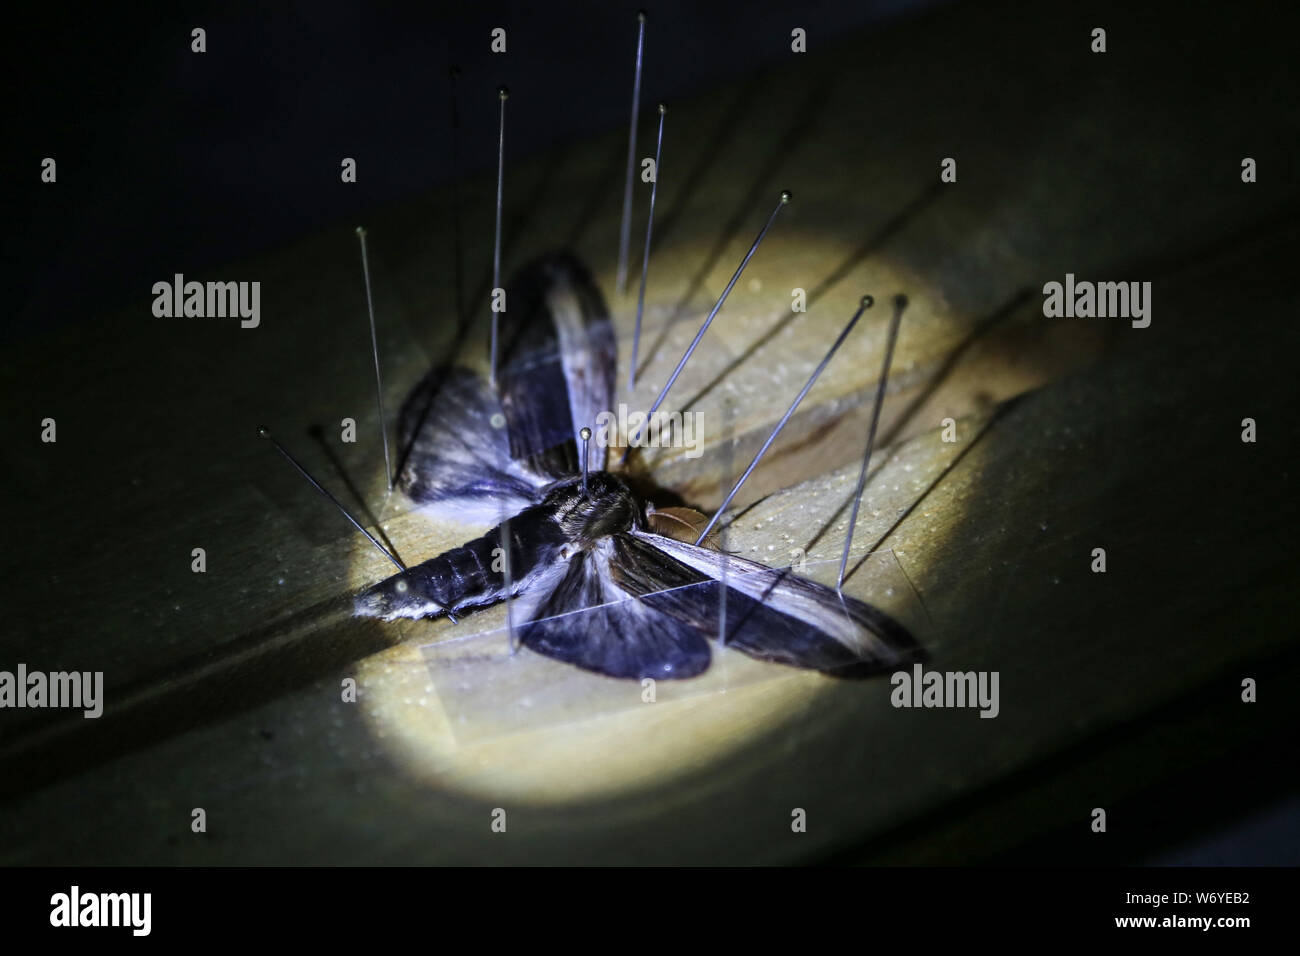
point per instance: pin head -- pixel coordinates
(900, 301)
(640, 16)
(263, 431)
(868, 301)
(786, 196)
(662, 109)
(585, 432)
(361, 230)
(504, 93)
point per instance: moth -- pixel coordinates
(599, 577)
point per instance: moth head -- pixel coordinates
(402, 595)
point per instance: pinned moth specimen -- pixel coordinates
(598, 576)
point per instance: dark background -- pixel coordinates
(166, 156)
(170, 161)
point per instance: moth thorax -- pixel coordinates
(608, 507)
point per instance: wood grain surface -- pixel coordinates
(223, 688)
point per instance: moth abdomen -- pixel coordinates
(478, 573)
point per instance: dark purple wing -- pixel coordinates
(772, 614)
(558, 362)
(581, 614)
(479, 452)
(642, 605)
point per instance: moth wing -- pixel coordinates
(556, 375)
(579, 612)
(772, 614)
(453, 457)
(558, 359)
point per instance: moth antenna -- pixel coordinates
(585, 434)
(900, 303)
(625, 231)
(503, 94)
(786, 197)
(265, 432)
(866, 303)
(374, 347)
(645, 259)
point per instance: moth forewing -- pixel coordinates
(862, 638)
(590, 355)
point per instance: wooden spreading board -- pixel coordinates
(223, 689)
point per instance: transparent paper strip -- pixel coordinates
(485, 691)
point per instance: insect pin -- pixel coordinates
(786, 197)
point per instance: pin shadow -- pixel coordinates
(608, 174)
(712, 145)
(521, 216)
(199, 691)
(318, 434)
(874, 242)
(940, 375)
(457, 343)
(457, 226)
(806, 115)
(1001, 412)
(981, 329)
